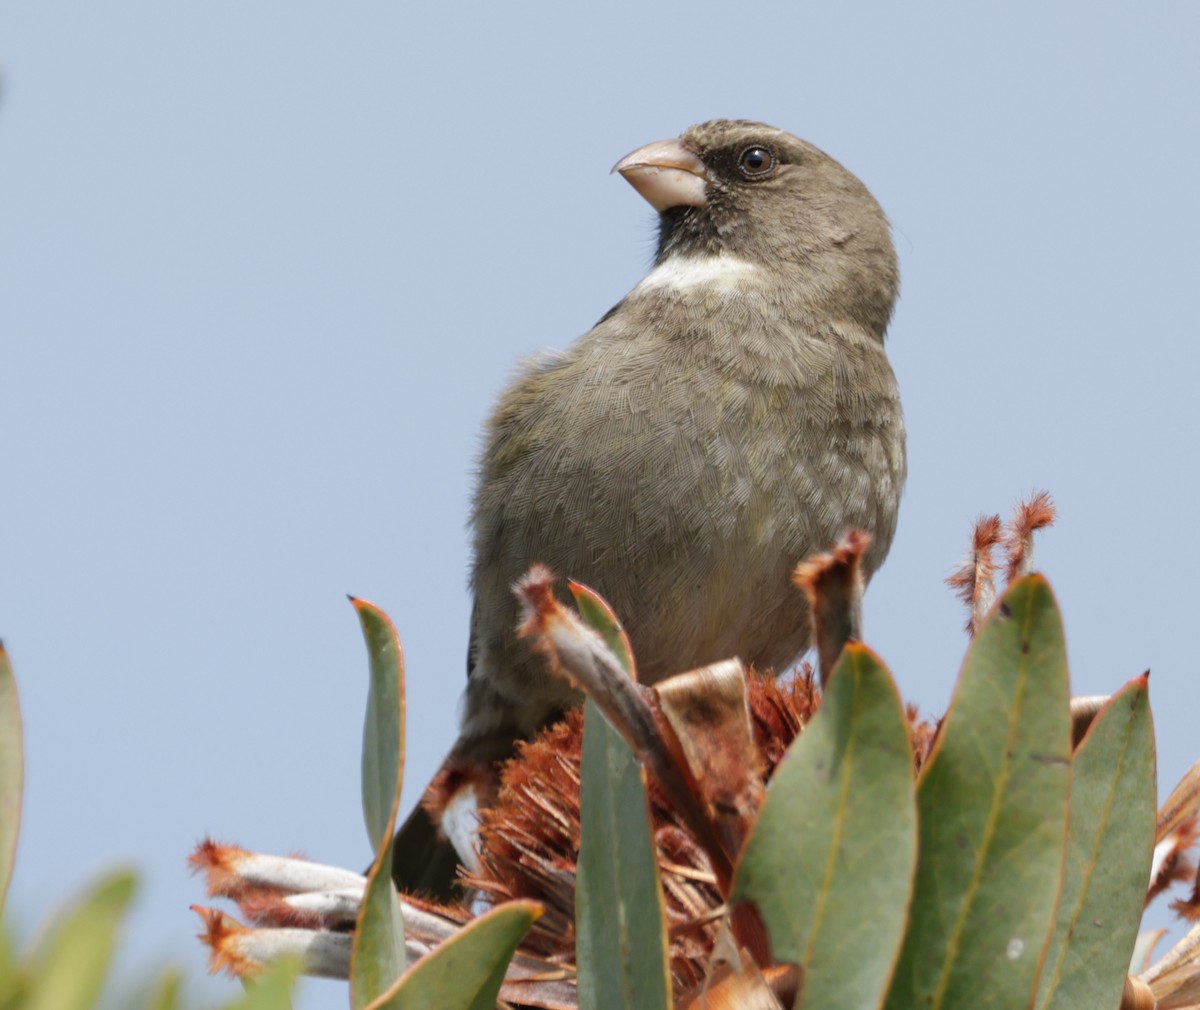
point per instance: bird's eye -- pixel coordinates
(756, 161)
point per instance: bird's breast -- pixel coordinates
(681, 458)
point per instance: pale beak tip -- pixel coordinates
(666, 174)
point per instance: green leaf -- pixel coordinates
(383, 729)
(1109, 844)
(67, 969)
(272, 988)
(830, 861)
(620, 925)
(377, 959)
(12, 979)
(992, 802)
(12, 772)
(599, 616)
(465, 973)
(377, 956)
(167, 992)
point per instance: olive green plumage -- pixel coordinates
(732, 415)
(704, 437)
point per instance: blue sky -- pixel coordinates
(264, 267)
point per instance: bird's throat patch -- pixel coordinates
(683, 273)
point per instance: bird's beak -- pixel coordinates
(666, 173)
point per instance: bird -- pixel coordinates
(733, 414)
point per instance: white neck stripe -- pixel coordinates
(683, 272)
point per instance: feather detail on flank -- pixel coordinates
(684, 272)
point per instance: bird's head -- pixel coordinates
(746, 190)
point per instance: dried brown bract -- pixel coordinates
(833, 584)
(975, 580)
(1029, 517)
(529, 839)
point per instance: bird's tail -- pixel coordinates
(441, 833)
(423, 860)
